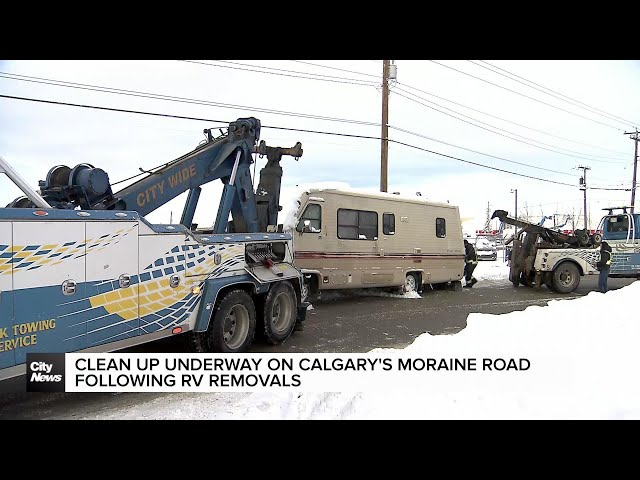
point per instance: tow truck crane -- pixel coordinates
(545, 256)
(82, 269)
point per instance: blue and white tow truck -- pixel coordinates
(81, 269)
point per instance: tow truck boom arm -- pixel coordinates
(227, 158)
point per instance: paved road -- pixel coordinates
(359, 321)
(347, 322)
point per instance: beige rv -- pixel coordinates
(347, 239)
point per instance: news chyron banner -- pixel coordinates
(324, 372)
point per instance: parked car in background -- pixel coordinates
(486, 248)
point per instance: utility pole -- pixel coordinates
(384, 155)
(634, 136)
(583, 187)
(515, 190)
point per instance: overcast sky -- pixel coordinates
(35, 137)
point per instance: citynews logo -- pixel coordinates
(45, 372)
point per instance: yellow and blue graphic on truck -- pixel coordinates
(31, 257)
(104, 311)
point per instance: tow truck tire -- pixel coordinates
(525, 280)
(232, 325)
(566, 277)
(279, 313)
(514, 275)
(548, 281)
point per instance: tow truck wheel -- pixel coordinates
(279, 313)
(566, 277)
(232, 326)
(547, 279)
(514, 275)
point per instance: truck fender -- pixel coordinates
(211, 290)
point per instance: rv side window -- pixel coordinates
(357, 224)
(441, 228)
(313, 213)
(388, 223)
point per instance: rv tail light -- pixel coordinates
(176, 330)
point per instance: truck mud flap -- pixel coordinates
(302, 312)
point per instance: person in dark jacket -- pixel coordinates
(604, 265)
(470, 263)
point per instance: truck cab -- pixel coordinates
(622, 232)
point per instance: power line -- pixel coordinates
(302, 130)
(170, 98)
(595, 109)
(103, 89)
(277, 69)
(480, 153)
(582, 154)
(499, 118)
(559, 97)
(481, 165)
(497, 128)
(135, 93)
(505, 120)
(352, 81)
(526, 96)
(336, 68)
(110, 109)
(139, 112)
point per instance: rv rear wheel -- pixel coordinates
(456, 286)
(305, 288)
(232, 325)
(279, 313)
(411, 283)
(566, 277)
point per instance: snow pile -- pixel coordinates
(405, 295)
(492, 270)
(334, 295)
(583, 355)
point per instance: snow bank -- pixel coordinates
(583, 355)
(492, 270)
